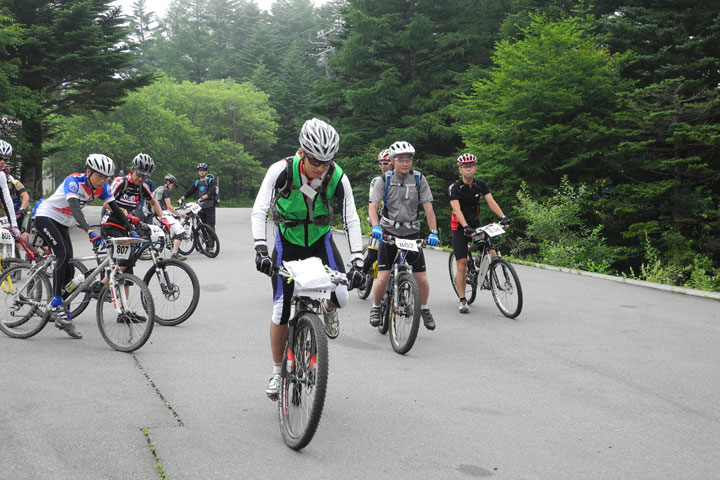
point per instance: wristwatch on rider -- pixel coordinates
(434, 231)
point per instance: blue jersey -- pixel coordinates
(74, 186)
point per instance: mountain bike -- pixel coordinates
(487, 273)
(197, 234)
(400, 307)
(305, 362)
(25, 291)
(173, 284)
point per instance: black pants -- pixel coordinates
(57, 238)
(207, 215)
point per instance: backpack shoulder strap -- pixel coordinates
(387, 184)
(417, 175)
(284, 190)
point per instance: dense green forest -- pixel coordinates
(597, 124)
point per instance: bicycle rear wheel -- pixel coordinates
(385, 310)
(175, 289)
(505, 286)
(405, 316)
(128, 327)
(471, 283)
(187, 245)
(24, 301)
(304, 382)
(206, 241)
(364, 290)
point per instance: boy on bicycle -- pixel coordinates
(64, 207)
(385, 164)
(402, 191)
(299, 190)
(465, 194)
(128, 191)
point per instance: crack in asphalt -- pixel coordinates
(167, 404)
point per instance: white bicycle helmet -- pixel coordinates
(319, 139)
(5, 149)
(101, 164)
(171, 179)
(143, 164)
(400, 148)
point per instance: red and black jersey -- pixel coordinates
(127, 195)
(469, 197)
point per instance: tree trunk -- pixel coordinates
(32, 171)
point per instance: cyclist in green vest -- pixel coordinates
(300, 191)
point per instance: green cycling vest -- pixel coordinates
(297, 226)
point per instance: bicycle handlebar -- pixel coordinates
(390, 240)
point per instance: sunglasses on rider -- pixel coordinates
(385, 164)
(316, 163)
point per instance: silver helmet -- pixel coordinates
(143, 164)
(5, 149)
(101, 164)
(401, 148)
(319, 139)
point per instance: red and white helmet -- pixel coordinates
(384, 156)
(466, 159)
(400, 148)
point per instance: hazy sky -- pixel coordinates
(159, 6)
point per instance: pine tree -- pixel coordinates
(69, 56)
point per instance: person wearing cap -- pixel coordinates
(170, 215)
(465, 194)
(300, 191)
(206, 190)
(62, 209)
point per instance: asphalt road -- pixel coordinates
(594, 380)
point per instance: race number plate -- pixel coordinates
(122, 252)
(493, 229)
(406, 244)
(6, 236)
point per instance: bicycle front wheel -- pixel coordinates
(187, 245)
(405, 315)
(175, 289)
(470, 280)
(304, 382)
(126, 313)
(82, 301)
(206, 241)
(24, 301)
(505, 286)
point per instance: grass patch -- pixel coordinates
(158, 464)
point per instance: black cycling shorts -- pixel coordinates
(386, 256)
(460, 244)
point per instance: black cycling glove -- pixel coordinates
(263, 262)
(468, 231)
(355, 276)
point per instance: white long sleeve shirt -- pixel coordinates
(343, 193)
